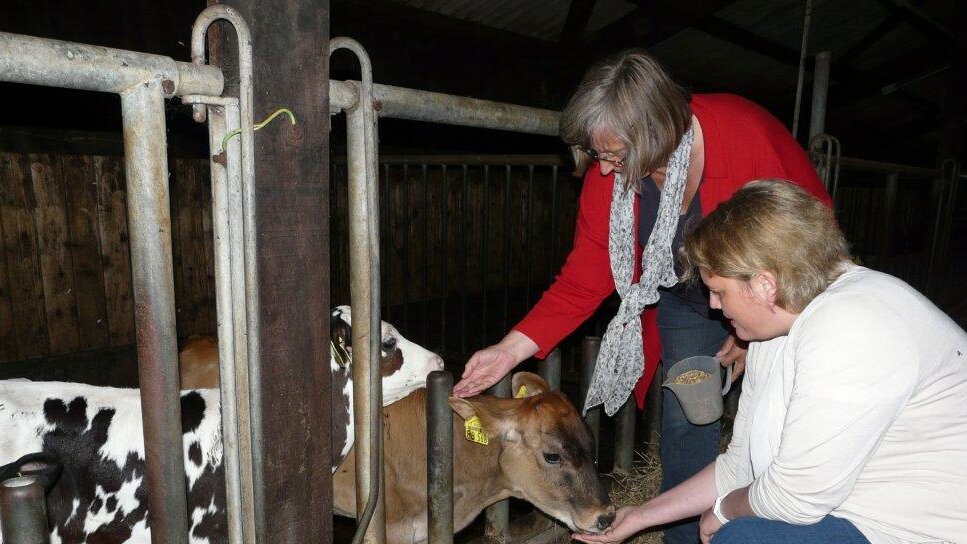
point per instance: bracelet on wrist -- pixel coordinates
(717, 510)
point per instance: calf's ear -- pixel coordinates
(532, 384)
(495, 419)
(462, 407)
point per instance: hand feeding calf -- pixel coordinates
(539, 450)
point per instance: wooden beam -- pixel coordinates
(923, 22)
(291, 68)
(883, 28)
(578, 14)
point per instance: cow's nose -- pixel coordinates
(605, 521)
(435, 363)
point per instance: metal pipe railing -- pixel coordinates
(149, 228)
(817, 113)
(244, 276)
(416, 105)
(439, 458)
(226, 178)
(364, 292)
(497, 515)
(143, 81)
(23, 511)
(236, 277)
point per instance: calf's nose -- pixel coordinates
(435, 363)
(605, 521)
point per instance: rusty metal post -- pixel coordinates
(590, 346)
(23, 511)
(149, 224)
(550, 369)
(497, 515)
(624, 433)
(439, 457)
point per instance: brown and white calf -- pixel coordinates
(404, 366)
(96, 434)
(539, 450)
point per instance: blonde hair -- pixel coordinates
(632, 96)
(770, 225)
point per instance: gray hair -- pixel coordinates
(632, 96)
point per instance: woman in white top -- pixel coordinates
(852, 424)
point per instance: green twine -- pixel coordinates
(266, 121)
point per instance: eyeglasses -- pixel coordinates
(606, 157)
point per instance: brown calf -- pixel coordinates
(539, 450)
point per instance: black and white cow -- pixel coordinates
(96, 432)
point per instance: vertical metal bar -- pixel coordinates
(550, 369)
(485, 235)
(223, 119)
(444, 257)
(425, 283)
(528, 255)
(554, 212)
(506, 273)
(23, 511)
(938, 191)
(463, 262)
(590, 345)
(252, 338)
(384, 230)
(364, 287)
(149, 221)
(497, 515)
(886, 220)
(439, 462)
(407, 294)
(624, 432)
(817, 114)
(802, 66)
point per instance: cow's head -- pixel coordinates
(403, 364)
(546, 455)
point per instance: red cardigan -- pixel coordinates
(742, 142)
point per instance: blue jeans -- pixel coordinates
(829, 530)
(685, 448)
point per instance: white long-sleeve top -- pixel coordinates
(860, 411)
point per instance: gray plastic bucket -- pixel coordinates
(702, 401)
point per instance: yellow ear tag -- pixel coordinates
(522, 392)
(474, 431)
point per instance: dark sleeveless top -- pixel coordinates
(693, 293)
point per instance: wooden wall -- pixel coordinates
(65, 272)
(65, 266)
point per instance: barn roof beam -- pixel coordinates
(883, 28)
(920, 20)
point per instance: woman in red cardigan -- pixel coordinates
(654, 161)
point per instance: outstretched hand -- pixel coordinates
(489, 365)
(485, 368)
(626, 524)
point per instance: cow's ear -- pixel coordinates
(532, 385)
(496, 420)
(462, 407)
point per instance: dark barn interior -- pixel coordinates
(474, 222)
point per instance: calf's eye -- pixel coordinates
(389, 344)
(552, 458)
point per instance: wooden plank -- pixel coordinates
(81, 186)
(8, 333)
(179, 226)
(112, 230)
(50, 218)
(17, 204)
(292, 192)
(205, 248)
